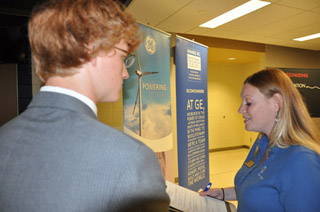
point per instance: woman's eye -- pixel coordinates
(248, 103)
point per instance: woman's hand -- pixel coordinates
(225, 194)
(214, 192)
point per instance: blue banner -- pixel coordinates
(192, 113)
(146, 94)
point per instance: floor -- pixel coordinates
(224, 166)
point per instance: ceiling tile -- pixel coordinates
(248, 37)
(264, 16)
(221, 33)
(198, 31)
(314, 41)
(300, 32)
(270, 40)
(290, 23)
(298, 44)
(197, 12)
(275, 24)
(154, 11)
(317, 10)
(305, 4)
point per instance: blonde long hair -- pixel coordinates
(294, 125)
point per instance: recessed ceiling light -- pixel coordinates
(231, 58)
(235, 13)
(309, 37)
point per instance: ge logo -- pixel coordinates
(150, 45)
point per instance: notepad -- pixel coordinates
(187, 200)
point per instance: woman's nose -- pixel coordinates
(241, 109)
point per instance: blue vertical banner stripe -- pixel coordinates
(192, 113)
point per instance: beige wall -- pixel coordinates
(226, 127)
(225, 123)
(111, 113)
(284, 57)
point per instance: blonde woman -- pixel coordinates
(282, 170)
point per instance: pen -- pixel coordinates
(208, 187)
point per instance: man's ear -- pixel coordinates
(93, 60)
(278, 101)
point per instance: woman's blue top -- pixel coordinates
(289, 180)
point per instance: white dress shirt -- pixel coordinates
(72, 93)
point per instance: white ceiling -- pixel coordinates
(275, 24)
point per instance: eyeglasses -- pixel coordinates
(129, 60)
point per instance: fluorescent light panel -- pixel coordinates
(235, 13)
(309, 37)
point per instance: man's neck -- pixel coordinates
(69, 92)
(76, 82)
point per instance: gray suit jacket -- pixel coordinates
(56, 156)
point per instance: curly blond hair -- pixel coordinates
(64, 34)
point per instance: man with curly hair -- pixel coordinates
(56, 156)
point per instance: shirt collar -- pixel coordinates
(72, 93)
(263, 143)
